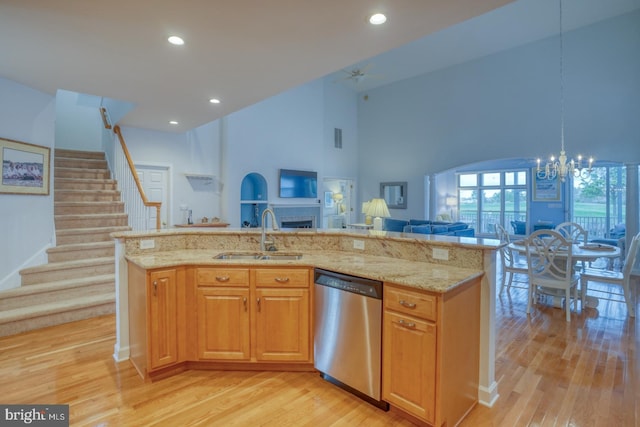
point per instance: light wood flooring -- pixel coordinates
(550, 373)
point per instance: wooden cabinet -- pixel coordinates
(283, 325)
(409, 358)
(156, 318)
(163, 326)
(223, 324)
(260, 314)
(430, 362)
(223, 318)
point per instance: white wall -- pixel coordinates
(506, 105)
(288, 131)
(292, 130)
(205, 158)
(26, 228)
(340, 111)
(78, 121)
(181, 153)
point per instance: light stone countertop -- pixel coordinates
(420, 275)
(475, 242)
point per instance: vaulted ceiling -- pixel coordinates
(244, 51)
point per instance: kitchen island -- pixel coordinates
(437, 266)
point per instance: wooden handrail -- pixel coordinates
(105, 118)
(145, 201)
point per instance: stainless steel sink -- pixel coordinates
(277, 256)
(258, 256)
(237, 255)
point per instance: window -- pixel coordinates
(599, 200)
(489, 198)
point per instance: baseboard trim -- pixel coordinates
(120, 354)
(14, 280)
(487, 396)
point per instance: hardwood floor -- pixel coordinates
(550, 373)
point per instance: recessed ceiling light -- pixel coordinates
(377, 19)
(173, 122)
(214, 101)
(176, 40)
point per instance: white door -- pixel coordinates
(343, 213)
(155, 183)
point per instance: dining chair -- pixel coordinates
(574, 232)
(621, 278)
(511, 263)
(549, 257)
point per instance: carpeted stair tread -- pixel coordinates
(84, 203)
(64, 153)
(49, 308)
(91, 215)
(86, 180)
(93, 229)
(79, 246)
(55, 266)
(57, 285)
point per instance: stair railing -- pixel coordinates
(136, 203)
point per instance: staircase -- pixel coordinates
(78, 282)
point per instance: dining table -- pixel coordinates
(580, 253)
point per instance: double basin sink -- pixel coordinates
(258, 256)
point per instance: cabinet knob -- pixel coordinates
(406, 324)
(258, 301)
(155, 288)
(222, 278)
(244, 301)
(282, 279)
(407, 304)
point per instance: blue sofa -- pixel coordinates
(424, 226)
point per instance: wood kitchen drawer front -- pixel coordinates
(414, 303)
(222, 277)
(282, 277)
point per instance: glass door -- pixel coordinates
(599, 201)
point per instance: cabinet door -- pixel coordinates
(223, 323)
(282, 324)
(409, 364)
(162, 322)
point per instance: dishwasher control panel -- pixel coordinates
(357, 285)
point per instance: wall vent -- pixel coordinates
(337, 138)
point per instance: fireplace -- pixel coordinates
(297, 216)
(298, 222)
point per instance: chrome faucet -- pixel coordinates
(264, 243)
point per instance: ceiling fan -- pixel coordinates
(358, 74)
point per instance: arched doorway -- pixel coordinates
(254, 199)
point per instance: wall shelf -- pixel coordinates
(203, 182)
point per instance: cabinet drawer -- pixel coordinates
(296, 277)
(414, 303)
(222, 277)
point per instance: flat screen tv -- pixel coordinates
(298, 184)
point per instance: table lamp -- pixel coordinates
(378, 210)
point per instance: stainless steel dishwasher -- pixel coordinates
(348, 333)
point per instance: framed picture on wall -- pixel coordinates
(545, 190)
(25, 168)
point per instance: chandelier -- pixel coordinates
(561, 167)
